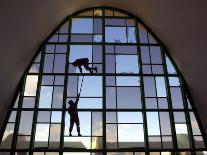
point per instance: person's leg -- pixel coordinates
(78, 127)
(71, 126)
(80, 69)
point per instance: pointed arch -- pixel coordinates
(137, 102)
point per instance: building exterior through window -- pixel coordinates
(133, 99)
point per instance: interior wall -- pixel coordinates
(181, 25)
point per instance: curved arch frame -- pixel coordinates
(19, 88)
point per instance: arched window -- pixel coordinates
(133, 99)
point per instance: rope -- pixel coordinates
(81, 85)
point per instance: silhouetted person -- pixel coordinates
(72, 110)
(84, 62)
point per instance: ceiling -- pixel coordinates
(180, 25)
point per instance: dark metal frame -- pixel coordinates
(146, 149)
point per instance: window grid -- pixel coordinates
(104, 109)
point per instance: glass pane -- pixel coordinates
(174, 81)
(97, 25)
(91, 103)
(163, 103)
(61, 48)
(64, 28)
(28, 102)
(179, 117)
(57, 97)
(194, 124)
(170, 67)
(149, 87)
(47, 80)
(41, 135)
(92, 86)
(145, 55)
(56, 117)
(43, 116)
(48, 63)
(72, 88)
(176, 96)
(161, 88)
(115, 22)
(115, 34)
(77, 25)
(59, 64)
(23, 142)
(125, 49)
(111, 136)
(155, 55)
(45, 97)
(25, 126)
(130, 135)
(130, 117)
(131, 35)
(167, 143)
(182, 136)
(50, 48)
(31, 85)
(12, 117)
(80, 51)
(153, 123)
(34, 68)
(54, 140)
(98, 12)
(155, 142)
(127, 81)
(165, 123)
(142, 34)
(110, 64)
(110, 97)
(97, 124)
(110, 80)
(130, 60)
(111, 117)
(81, 38)
(151, 103)
(128, 100)
(97, 54)
(59, 80)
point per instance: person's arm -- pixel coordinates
(77, 99)
(80, 69)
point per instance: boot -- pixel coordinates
(70, 134)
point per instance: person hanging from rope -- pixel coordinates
(72, 110)
(84, 62)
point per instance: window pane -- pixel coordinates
(54, 135)
(57, 97)
(111, 117)
(131, 35)
(128, 81)
(125, 49)
(59, 64)
(116, 34)
(160, 85)
(115, 22)
(77, 25)
(45, 97)
(31, 85)
(153, 123)
(130, 135)
(41, 135)
(176, 96)
(130, 60)
(28, 102)
(165, 123)
(48, 63)
(149, 87)
(110, 97)
(182, 136)
(194, 124)
(155, 55)
(25, 126)
(43, 116)
(97, 25)
(7, 137)
(111, 136)
(130, 117)
(56, 117)
(92, 86)
(97, 124)
(110, 64)
(145, 54)
(61, 49)
(128, 100)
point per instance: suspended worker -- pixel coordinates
(72, 110)
(84, 62)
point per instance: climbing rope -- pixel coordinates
(81, 85)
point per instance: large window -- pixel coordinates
(133, 100)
